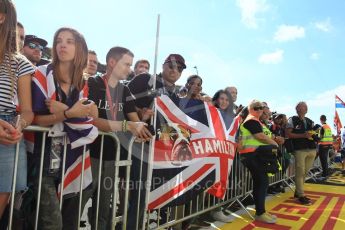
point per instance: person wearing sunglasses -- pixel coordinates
(253, 141)
(141, 86)
(33, 47)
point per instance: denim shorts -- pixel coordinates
(7, 159)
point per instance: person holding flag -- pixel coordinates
(59, 101)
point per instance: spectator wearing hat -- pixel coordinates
(141, 88)
(33, 47)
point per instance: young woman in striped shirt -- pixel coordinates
(15, 93)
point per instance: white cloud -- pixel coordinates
(289, 33)
(324, 26)
(327, 98)
(249, 11)
(319, 103)
(315, 56)
(271, 58)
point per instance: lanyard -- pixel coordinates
(113, 108)
(60, 94)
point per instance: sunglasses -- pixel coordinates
(174, 66)
(257, 108)
(34, 46)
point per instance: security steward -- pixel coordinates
(253, 143)
(325, 144)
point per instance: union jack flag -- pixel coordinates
(196, 129)
(79, 131)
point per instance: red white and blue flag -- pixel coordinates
(207, 159)
(339, 104)
(79, 131)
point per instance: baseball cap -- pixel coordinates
(278, 115)
(33, 38)
(176, 58)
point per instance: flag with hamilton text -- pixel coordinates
(193, 151)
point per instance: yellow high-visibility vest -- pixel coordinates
(248, 142)
(327, 138)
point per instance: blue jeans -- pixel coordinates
(7, 160)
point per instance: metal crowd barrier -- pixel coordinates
(239, 188)
(118, 163)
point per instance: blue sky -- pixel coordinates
(279, 51)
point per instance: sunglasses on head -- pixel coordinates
(257, 108)
(34, 46)
(175, 66)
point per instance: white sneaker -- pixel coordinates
(220, 216)
(266, 218)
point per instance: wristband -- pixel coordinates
(124, 126)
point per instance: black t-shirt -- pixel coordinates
(141, 88)
(122, 103)
(253, 126)
(301, 126)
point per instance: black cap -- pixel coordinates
(33, 38)
(278, 116)
(176, 58)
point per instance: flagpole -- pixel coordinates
(156, 53)
(153, 123)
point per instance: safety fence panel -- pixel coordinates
(129, 192)
(119, 187)
(239, 187)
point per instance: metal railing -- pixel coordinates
(239, 188)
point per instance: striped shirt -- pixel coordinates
(20, 66)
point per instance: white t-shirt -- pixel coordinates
(20, 66)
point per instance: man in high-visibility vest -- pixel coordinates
(325, 144)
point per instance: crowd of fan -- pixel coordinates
(120, 99)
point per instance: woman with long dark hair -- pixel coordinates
(15, 94)
(60, 102)
(222, 101)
